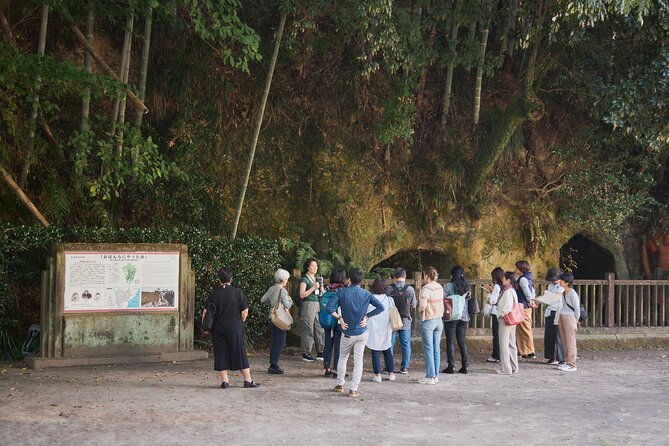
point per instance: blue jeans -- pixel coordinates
(387, 357)
(405, 342)
(332, 338)
(277, 344)
(430, 331)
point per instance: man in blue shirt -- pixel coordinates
(354, 302)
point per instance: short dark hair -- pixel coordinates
(399, 273)
(225, 275)
(305, 267)
(552, 274)
(379, 286)
(497, 275)
(338, 276)
(523, 266)
(567, 278)
(511, 276)
(355, 274)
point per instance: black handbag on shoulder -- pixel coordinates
(209, 318)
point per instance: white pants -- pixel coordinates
(508, 353)
(357, 344)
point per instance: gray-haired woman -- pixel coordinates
(271, 297)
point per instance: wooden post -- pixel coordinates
(611, 302)
(417, 284)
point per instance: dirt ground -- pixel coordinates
(616, 397)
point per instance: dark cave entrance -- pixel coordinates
(416, 259)
(585, 258)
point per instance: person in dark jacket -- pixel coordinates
(227, 333)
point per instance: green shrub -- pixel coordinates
(23, 252)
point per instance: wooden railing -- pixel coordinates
(610, 303)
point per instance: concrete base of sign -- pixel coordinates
(35, 362)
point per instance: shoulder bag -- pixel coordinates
(396, 322)
(473, 306)
(280, 315)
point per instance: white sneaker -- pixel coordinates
(568, 368)
(391, 377)
(436, 379)
(376, 378)
(426, 380)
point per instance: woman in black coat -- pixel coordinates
(227, 333)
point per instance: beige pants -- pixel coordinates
(568, 326)
(508, 354)
(524, 338)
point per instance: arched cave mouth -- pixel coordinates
(585, 258)
(415, 260)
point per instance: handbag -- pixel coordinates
(487, 309)
(280, 315)
(516, 316)
(396, 322)
(473, 306)
(208, 318)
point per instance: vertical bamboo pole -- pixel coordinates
(256, 133)
(32, 124)
(88, 63)
(148, 22)
(479, 76)
(125, 75)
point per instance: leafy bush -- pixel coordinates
(23, 250)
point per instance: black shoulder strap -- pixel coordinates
(564, 296)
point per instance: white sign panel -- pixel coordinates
(113, 281)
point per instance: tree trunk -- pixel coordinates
(125, 53)
(470, 38)
(479, 76)
(106, 68)
(22, 196)
(32, 124)
(6, 29)
(449, 76)
(126, 74)
(88, 62)
(506, 42)
(148, 21)
(256, 133)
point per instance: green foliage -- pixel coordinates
(23, 250)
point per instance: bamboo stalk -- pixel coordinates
(479, 76)
(256, 133)
(133, 98)
(449, 78)
(32, 123)
(148, 21)
(22, 196)
(125, 74)
(88, 62)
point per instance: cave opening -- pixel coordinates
(585, 258)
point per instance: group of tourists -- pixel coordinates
(343, 318)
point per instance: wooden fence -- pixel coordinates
(610, 303)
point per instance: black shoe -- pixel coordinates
(328, 373)
(275, 370)
(225, 385)
(450, 370)
(250, 384)
(306, 357)
(463, 370)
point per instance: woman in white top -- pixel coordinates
(569, 315)
(508, 353)
(380, 332)
(553, 350)
(493, 296)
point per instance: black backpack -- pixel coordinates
(296, 295)
(402, 300)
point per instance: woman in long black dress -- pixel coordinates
(227, 333)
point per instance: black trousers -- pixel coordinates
(552, 344)
(456, 330)
(277, 344)
(495, 337)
